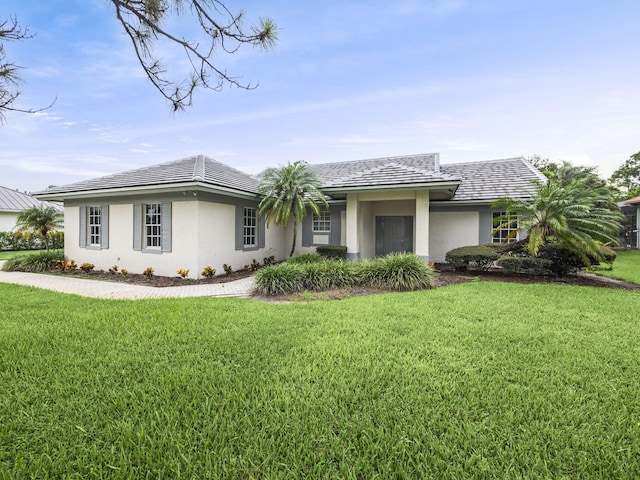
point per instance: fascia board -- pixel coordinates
(147, 190)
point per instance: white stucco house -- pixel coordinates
(13, 203)
(196, 211)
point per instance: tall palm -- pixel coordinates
(39, 221)
(288, 191)
(576, 216)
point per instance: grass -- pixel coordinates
(490, 380)
(6, 254)
(626, 267)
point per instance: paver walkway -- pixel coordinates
(100, 289)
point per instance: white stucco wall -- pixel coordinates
(449, 230)
(203, 233)
(8, 221)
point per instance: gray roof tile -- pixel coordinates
(193, 169)
(484, 180)
(14, 201)
(491, 179)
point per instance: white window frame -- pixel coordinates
(502, 235)
(321, 223)
(249, 227)
(94, 226)
(152, 227)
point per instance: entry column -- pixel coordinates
(422, 224)
(353, 240)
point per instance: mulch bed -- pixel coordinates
(447, 276)
(155, 280)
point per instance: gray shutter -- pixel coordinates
(83, 227)
(261, 231)
(239, 226)
(165, 218)
(137, 226)
(104, 226)
(307, 230)
(335, 226)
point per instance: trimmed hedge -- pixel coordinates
(514, 265)
(478, 257)
(19, 241)
(332, 251)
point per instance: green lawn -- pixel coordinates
(626, 267)
(479, 380)
(6, 255)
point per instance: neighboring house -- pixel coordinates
(13, 203)
(196, 211)
(630, 237)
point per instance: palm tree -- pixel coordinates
(39, 221)
(574, 215)
(288, 192)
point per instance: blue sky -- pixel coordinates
(348, 80)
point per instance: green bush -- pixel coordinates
(306, 258)
(332, 251)
(280, 279)
(397, 271)
(19, 241)
(37, 262)
(564, 261)
(479, 257)
(517, 265)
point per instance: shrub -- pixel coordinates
(563, 261)
(327, 275)
(70, 265)
(397, 271)
(255, 265)
(113, 270)
(124, 272)
(479, 256)
(208, 271)
(87, 267)
(148, 272)
(514, 265)
(184, 273)
(266, 261)
(37, 262)
(280, 279)
(228, 269)
(332, 251)
(305, 258)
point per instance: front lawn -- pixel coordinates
(482, 379)
(626, 267)
(7, 254)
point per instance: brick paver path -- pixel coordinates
(102, 289)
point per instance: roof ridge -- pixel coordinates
(396, 157)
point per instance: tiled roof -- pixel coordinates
(193, 169)
(14, 201)
(493, 179)
(485, 180)
(409, 169)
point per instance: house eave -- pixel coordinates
(394, 187)
(148, 190)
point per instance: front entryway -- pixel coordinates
(394, 234)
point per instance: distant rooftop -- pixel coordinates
(15, 201)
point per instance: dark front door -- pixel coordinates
(394, 234)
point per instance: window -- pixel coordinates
(322, 222)
(153, 225)
(249, 227)
(94, 227)
(508, 234)
(94, 223)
